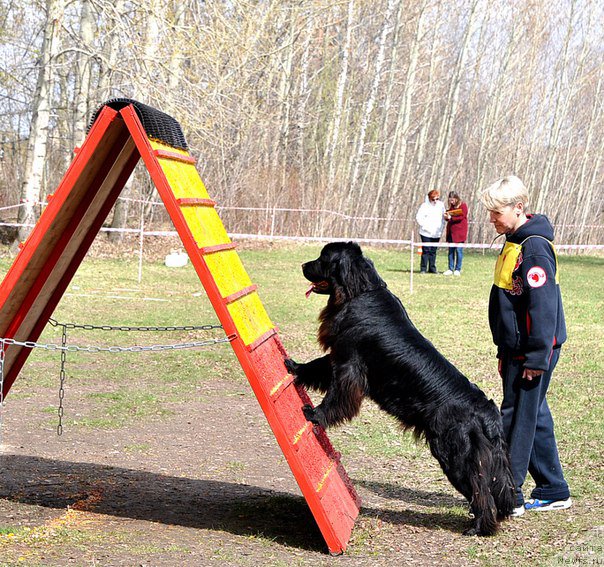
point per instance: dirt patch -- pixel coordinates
(208, 485)
(205, 485)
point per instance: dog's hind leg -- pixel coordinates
(464, 456)
(316, 374)
(343, 399)
(479, 466)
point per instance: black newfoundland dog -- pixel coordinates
(375, 350)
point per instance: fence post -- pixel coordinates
(412, 259)
(141, 241)
(273, 223)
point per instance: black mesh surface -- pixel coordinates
(157, 124)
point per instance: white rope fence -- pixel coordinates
(272, 210)
(413, 244)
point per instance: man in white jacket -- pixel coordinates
(431, 220)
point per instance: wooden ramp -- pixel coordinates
(122, 132)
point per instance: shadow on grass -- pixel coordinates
(239, 509)
(429, 519)
(205, 504)
(412, 496)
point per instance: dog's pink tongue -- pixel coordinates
(310, 289)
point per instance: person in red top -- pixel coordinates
(457, 231)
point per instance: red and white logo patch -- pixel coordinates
(536, 276)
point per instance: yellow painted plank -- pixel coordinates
(205, 226)
(203, 222)
(228, 272)
(248, 313)
(183, 178)
(250, 318)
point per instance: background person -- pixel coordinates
(430, 218)
(528, 327)
(457, 231)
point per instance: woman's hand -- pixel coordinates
(530, 374)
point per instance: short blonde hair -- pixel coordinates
(505, 192)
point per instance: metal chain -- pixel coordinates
(62, 377)
(128, 328)
(89, 327)
(115, 349)
(64, 349)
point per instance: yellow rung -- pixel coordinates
(183, 178)
(250, 318)
(228, 272)
(205, 226)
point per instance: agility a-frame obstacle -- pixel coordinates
(122, 132)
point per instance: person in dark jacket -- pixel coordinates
(457, 231)
(528, 327)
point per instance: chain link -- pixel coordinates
(62, 377)
(116, 349)
(89, 327)
(64, 348)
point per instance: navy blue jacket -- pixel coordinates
(525, 305)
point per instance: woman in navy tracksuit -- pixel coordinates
(528, 327)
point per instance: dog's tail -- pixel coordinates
(492, 481)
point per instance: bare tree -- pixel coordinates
(33, 184)
(355, 106)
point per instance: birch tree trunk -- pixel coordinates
(303, 95)
(33, 179)
(381, 171)
(175, 63)
(370, 105)
(110, 51)
(398, 148)
(285, 96)
(446, 128)
(148, 74)
(428, 114)
(587, 158)
(84, 76)
(338, 113)
(566, 86)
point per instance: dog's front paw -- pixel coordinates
(314, 415)
(292, 366)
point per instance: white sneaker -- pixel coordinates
(448, 273)
(546, 505)
(457, 273)
(518, 511)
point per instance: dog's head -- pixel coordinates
(342, 272)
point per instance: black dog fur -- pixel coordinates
(375, 350)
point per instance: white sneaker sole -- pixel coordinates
(558, 505)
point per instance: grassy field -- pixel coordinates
(120, 394)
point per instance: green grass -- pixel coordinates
(120, 390)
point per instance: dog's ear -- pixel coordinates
(356, 273)
(354, 248)
(343, 269)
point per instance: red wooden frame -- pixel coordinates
(57, 245)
